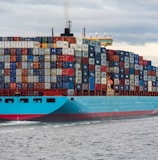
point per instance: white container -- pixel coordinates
(59, 71)
(47, 51)
(73, 45)
(30, 44)
(47, 79)
(116, 81)
(70, 51)
(18, 72)
(53, 58)
(85, 47)
(7, 79)
(24, 58)
(79, 40)
(78, 47)
(18, 79)
(103, 62)
(103, 74)
(84, 54)
(149, 83)
(78, 73)
(149, 88)
(78, 79)
(116, 70)
(19, 45)
(35, 79)
(70, 92)
(97, 74)
(136, 82)
(91, 61)
(126, 65)
(24, 65)
(47, 58)
(97, 68)
(126, 81)
(30, 79)
(36, 44)
(131, 76)
(97, 81)
(24, 44)
(47, 72)
(103, 56)
(47, 85)
(53, 79)
(53, 72)
(65, 51)
(7, 58)
(131, 82)
(7, 65)
(103, 80)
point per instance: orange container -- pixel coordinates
(12, 85)
(24, 86)
(24, 79)
(12, 58)
(36, 65)
(7, 72)
(13, 51)
(24, 72)
(24, 51)
(18, 65)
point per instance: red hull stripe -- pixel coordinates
(62, 117)
(20, 116)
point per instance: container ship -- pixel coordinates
(64, 78)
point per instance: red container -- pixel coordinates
(91, 67)
(122, 64)
(24, 85)
(24, 51)
(13, 51)
(18, 65)
(12, 85)
(116, 58)
(7, 72)
(153, 73)
(16, 38)
(24, 72)
(68, 58)
(36, 65)
(149, 73)
(110, 52)
(59, 64)
(24, 79)
(97, 86)
(85, 60)
(145, 62)
(68, 72)
(122, 81)
(13, 58)
(126, 71)
(103, 68)
(136, 72)
(103, 86)
(141, 62)
(59, 58)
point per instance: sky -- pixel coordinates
(132, 24)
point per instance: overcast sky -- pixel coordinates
(132, 23)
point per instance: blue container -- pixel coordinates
(145, 88)
(36, 72)
(19, 85)
(53, 85)
(126, 54)
(65, 64)
(122, 76)
(12, 79)
(1, 65)
(18, 51)
(1, 79)
(59, 85)
(127, 87)
(154, 84)
(1, 85)
(98, 61)
(140, 73)
(59, 51)
(145, 67)
(0, 38)
(53, 65)
(7, 85)
(92, 80)
(65, 86)
(91, 73)
(13, 65)
(19, 58)
(84, 66)
(97, 55)
(84, 80)
(141, 77)
(122, 58)
(59, 79)
(126, 76)
(30, 58)
(115, 64)
(41, 58)
(91, 87)
(145, 83)
(141, 82)
(91, 48)
(41, 72)
(53, 50)
(41, 79)
(30, 85)
(116, 87)
(7, 51)
(10, 38)
(103, 50)
(78, 87)
(91, 54)
(149, 63)
(122, 70)
(85, 73)
(30, 51)
(122, 88)
(38, 39)
(131, 70)
(70, 79)
(50, 39)
(149, 68)
(70, 85)
(115, 75)
(157, 83)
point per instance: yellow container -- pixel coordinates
(44, 45)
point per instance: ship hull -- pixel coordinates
(79, 108)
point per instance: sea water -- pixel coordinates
(128, 139)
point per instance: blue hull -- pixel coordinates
(76, 108)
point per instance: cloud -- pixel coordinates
(134, 22)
